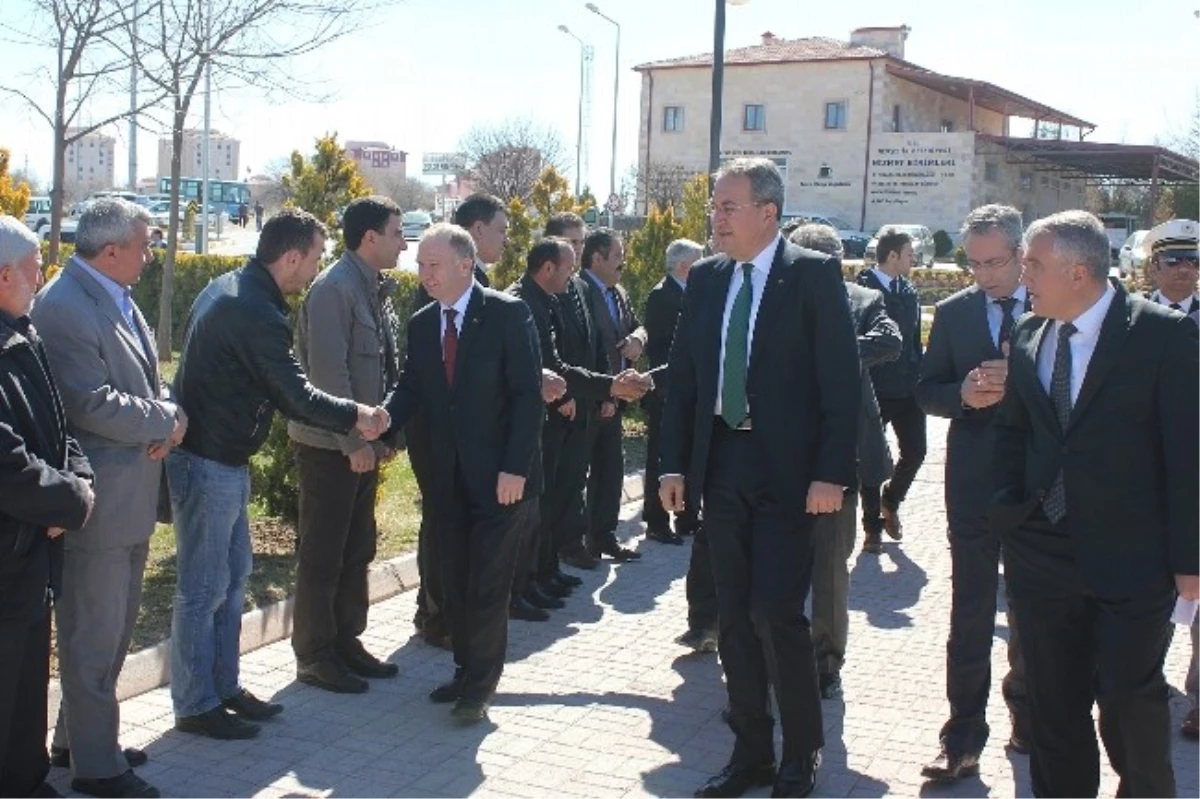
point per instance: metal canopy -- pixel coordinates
(1097, 161)
(986, 95)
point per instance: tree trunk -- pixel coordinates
(166, 294)
(57, 193)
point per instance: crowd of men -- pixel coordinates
(1071, 461)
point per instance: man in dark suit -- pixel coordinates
(622, 340)
(895, 387)
(474, 368)
(761, 422)
(485, 218)
(962, 379)
(662, 312)
(879, 341)
(1095, 503)
(549, 266)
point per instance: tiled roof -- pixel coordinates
(776, 51)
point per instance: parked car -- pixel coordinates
(1133, 255)
(854, 241)
(414, 223)
(38, 213)
(66, 235)
(923, 246)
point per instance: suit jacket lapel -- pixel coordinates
(1113, 330)
(981, 326)
(106, 305)
(472, 321)
(722, 277)
(1041, 400)
(771, 303)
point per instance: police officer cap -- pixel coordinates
(1177, 234)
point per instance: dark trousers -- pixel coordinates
(606, 477)
(564, 475)
(833, 544)
(762, 558)
(478, 551)
(429, 595)
(337, 537)
(24, 682)
(1080, 650)
(564, 509)
(975, 578)
(653, 513)
(700, 585)
(908, 421)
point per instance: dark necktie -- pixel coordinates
(450, 345)
(614, 305)
(1006, 320)
(1176, 307)
(1055, 502)
(737, 336)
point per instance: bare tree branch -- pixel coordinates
(507, 159)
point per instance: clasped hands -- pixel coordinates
(159, 449)
(983, 386)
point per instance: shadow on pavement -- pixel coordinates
(885, 596)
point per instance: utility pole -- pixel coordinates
(202, 246)
(133, 125)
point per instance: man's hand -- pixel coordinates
(630, 348)
(824, 498)
(383, 453)
(372, 422)
(608, 409)
(1188, 586)
(671, 493)
(362, 460)
(54, 532)
(984, 385)
(567, 410)
(181, 424)
(630, 385)
(553, 386)
(509, 488)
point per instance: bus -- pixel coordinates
(225, 195)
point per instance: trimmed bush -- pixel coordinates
(942, 244)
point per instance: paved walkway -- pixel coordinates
(600, 702)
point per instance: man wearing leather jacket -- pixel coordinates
(236, 370)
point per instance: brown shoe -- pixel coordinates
(891, 521)
(1191, 725)
(872, 544)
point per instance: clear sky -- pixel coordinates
(419, 73)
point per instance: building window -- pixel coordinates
(835, 115)
(990, 172)
(754, 117)
(825, 172)
(673, 118)
(1026, 181)
(895, 119)
(947, 126)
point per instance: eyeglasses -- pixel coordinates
(728, 208)
(1178, 258)
(991, 265)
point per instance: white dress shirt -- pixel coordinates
(758, 281)
(884, 278)
(995, 313)
(1187, 306)
(461, 306)
(1082, 341)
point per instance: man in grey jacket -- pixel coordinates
(346, 343)
(102, 355)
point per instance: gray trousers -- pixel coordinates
(102, 591)
(833, 544)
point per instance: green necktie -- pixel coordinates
(733, 391)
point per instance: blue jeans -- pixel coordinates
(212, 535)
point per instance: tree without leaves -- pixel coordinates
(410, 194)
(90, 57)
(662, 184)
(507, 159)
(246, 43)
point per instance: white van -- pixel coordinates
(38, 213)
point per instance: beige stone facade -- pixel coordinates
(89, 164)
(224, 156)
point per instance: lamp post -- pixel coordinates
(718, 88)
(612, 166)
(583, 53)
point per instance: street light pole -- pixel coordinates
(202, 247)
(582, 85)
(612, 166)
(718, 88)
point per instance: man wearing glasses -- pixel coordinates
(962, 379)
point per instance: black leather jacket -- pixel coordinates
(238, 368)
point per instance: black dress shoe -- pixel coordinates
(664, 537)
(830, 685)
(217, 723)
(580, 558)
(363, 663)
(518, 608)
(872, 544)
(891, 521)
(469, 711)
(949, 767)
(329, 674)
(1017, 743)
(736, 780)
(797, 777)
(614, 550)
(446, 693)
(534, 596)
(127, 784)
(249, 706)
(60, 757)
(553, 588)
(569, 580)
(436, 635)
(699, 640)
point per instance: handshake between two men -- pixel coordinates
(628, 386)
